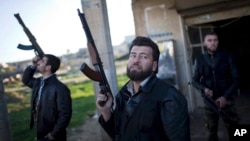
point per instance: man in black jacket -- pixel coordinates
(147, 108)
(216, 76)
(51, 107)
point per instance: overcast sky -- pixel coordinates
(56, 26)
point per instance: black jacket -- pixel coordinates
(218, 73)
(161, 115)
(55, 108)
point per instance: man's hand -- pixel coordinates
(49, 136)
(105, 109)
(35, 60)
(208, 92)
(221, 101)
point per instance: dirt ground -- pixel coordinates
(90, 131)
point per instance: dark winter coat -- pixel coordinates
(218, 73)
(158, 113)
(55, 108)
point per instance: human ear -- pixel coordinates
(155, 65)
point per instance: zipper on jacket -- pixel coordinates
(213, 72)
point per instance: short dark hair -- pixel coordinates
(53, 61)
(145, 41)
(209, 33)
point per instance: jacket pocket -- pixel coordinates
(147, 119)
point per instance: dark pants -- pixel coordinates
(212, 120)
(60, 138)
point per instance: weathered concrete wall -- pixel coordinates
(158, 20)
(97, 18)
(5, 129)
(218, 15)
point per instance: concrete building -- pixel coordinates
(182, 24)
(185, 22)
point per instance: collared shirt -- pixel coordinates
(134, 98)
(130, 87)
(41, 86)
(39, 95)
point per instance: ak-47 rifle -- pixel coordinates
(98, 74)
(35, 46)
(211, 103)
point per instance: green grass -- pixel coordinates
(83, 105)
(83, 102)
(19, 115)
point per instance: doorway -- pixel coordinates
(234, 38)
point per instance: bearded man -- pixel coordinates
(147, 108)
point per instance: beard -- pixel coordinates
(212, 49)
(140, 75)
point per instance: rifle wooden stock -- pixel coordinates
(91, 74)
(35, 45)
(98, 74)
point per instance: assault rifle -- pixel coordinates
(35, 46)
(98, 74)
(211, 103)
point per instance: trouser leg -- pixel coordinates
(212, 120)
(231, 112)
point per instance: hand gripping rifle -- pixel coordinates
(35, 46)
(98, 74)
(210, 102)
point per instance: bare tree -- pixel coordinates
(5, 131)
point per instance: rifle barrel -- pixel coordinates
(38, 51)
(95, 58)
